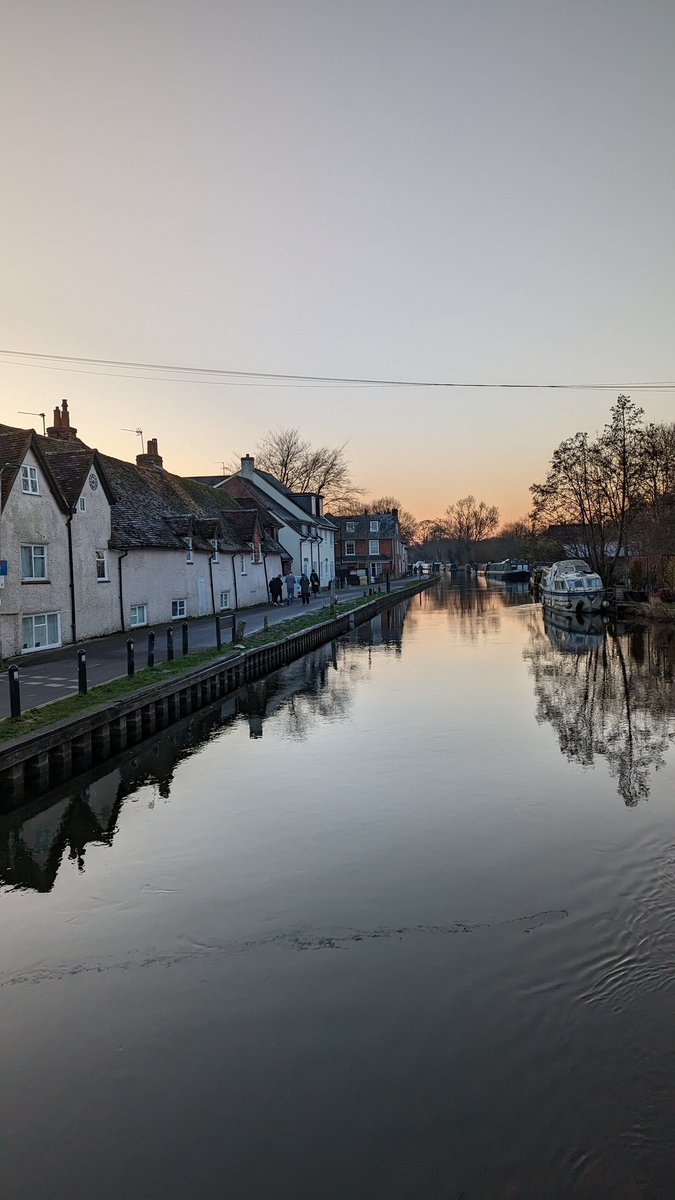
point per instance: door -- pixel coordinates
(201, 595)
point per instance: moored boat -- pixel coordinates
(574, 633)
(511, 570)
(572, 585)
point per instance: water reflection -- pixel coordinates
(607, 692)
(318, 687)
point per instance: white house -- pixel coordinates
(90, 545)
(307, 536)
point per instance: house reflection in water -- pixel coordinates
(607, 692)
(35, 839)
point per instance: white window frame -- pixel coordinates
(82, 504)
(376, 543)
(43, 558)
(30, 482)
(350, 553)
(46, 645)
(374, 526)
(189, 553)
(214, 557)
(178, 609)
(101, 556)
(242, 564)
(224, 600)
(255, 553)
(350, 526)
(137, 609)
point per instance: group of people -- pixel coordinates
(306, 584)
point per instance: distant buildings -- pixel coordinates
(370, 546)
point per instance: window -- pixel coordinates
(350, 547)
(33, 562)
(374, 546)
(214, 556)
(374, 526)
(82, 504)
(178, 609)
(41, 631)
(304, 528)
(224, 600)
(350, 526)
(139, 615)
(29, 480)
(255, 553)
(102, 566)
(189, 556)
(242, 564)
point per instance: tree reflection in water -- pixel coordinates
(608, 692)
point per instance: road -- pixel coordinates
(53, 674)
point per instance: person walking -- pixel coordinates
(275, 590)
(314, 580)
(290, 587)
(304, 588)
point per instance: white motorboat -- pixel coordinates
(572, 585)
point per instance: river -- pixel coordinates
(397, 923)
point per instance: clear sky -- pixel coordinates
(479, 190)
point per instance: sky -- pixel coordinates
(473, 191)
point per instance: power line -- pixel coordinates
(278, 378)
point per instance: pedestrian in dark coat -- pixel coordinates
(304, 588)
(314, 580)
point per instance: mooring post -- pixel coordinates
(265, 623)
(151, 649)
(219, 635)
(130, 657)
(169, 644)
(14, 692)
(184, 631)
(82, 672)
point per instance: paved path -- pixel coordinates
(53, 674)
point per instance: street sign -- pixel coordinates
(3, 566)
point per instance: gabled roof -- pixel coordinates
(14, 446)
(72, 463)
(295, 517)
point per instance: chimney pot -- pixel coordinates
(247, 464)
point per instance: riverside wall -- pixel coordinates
(39, 761)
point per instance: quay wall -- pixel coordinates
(39, 761)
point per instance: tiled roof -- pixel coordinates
(14, 445)
(71, 462)
(361, 522)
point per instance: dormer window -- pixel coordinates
(214, 556)
(350, 526)
(29, 481)
(374, 526)
(189, 556)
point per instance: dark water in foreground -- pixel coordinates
(397, 924)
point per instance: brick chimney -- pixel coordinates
(62, 430)
(152, 457)
(247, 465)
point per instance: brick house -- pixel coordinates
(370, 545)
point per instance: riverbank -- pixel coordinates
(661, 613)
(58, 741)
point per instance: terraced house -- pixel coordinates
(90, 544)
(369, 546)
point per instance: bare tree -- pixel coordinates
(305, 468)
(470, 521)
(406, 520)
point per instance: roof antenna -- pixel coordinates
(222, 466)
(24, 413)
(138, 432)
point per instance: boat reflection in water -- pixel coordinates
(608, 692)
(574, 633)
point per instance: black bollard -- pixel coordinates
(219, 635)
(388, 582)
(234, 627)
(82, 672)
(184, 630)
(130, 657)
(14, 692)
(169, 644)
(151, 649)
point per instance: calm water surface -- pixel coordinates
(396, 924)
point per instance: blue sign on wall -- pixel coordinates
(3, 566)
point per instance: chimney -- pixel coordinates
(247, 465)
(152, 457)
(62, 430)
(394, 513)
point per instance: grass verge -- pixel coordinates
(34, 719)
